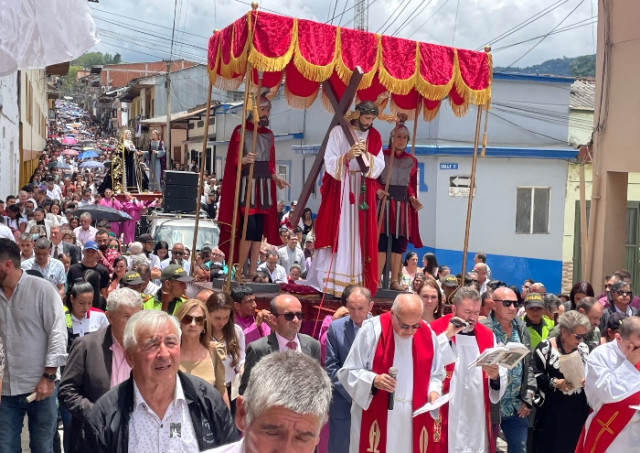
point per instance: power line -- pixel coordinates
(173, 30)
(417, 13)
(546, 35)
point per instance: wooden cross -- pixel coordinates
(340, 109)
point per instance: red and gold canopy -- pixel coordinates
(303, 54)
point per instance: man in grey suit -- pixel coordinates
(340, 337)
(59, 246)
(93, 367)
(286, 311)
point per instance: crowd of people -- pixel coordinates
(99, 329)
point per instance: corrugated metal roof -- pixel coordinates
(583, 92)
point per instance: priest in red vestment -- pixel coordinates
(464, 424)
(262, 215)
(399, 339)
(346, 226)
(399, 204)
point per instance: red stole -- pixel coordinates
(328, 219)
(373, 430)
(440, 428)
(608, 422)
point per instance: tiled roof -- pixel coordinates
(583, 92)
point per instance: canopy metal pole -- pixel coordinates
(201, 179)
(471, 189)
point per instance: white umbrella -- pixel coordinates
(36, 34)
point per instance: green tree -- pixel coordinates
(584, 66)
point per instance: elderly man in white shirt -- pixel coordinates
(291, 253)
(158, 408)
(85, 232)
(276, 273)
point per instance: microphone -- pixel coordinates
(393, 372)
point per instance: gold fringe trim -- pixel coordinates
(237, 65)
(397, 86)
(313, 72)
(299, 102)
(429, 115)
(326, 103)
(345, 73)
(340, 167)
(428, 90)
(476, 97)
(229, 84)
(459, 110)
(274, 64)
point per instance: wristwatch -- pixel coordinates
(51, 377)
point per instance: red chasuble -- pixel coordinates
(440, 428)
(328, 219)
(227, 197)
(373, 430)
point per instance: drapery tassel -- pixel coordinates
(363, 190)
(352, 198)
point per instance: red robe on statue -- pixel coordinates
(328, 219)
(227, 196)
(439, 430)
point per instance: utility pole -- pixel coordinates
(167, 138)
(361, 14)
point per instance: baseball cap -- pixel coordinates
(132, 278)
(90, 245)
(615, 320)
(450, 280)
(145, 238)
(175, 272)
(534, 300)
(294, 203)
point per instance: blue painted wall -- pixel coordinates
(513, 270)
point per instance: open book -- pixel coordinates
(506, 355)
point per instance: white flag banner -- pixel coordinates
(35, 34)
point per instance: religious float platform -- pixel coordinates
(313, 307)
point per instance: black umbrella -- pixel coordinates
(99, 212)
(56, 164)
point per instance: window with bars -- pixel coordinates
(532, 210)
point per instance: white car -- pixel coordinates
(179, 228)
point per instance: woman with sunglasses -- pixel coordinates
(620, 296)
(227, 338)
(196, 357)
(563, 409)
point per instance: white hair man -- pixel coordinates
(158, 408)
(96, 363)
(284, 407)
(85, 232)
(398, 339)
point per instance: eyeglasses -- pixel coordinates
(579, 336)
(290, 316)
(507, 303)
(622, 292)
(407, 327)
(188, 319)
(177, 252)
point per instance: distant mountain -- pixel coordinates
(583, 66)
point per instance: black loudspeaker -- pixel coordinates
(180, 191)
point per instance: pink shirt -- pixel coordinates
(250, 330)
(120, 369)
(282, 343)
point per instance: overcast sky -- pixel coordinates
(140, 30)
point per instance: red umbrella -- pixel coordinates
(69, 141)
(70, 152)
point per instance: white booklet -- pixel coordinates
(506, 355)
(437, 404)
